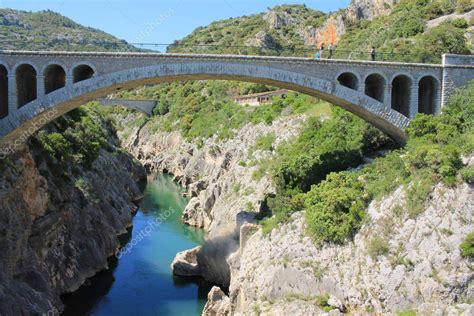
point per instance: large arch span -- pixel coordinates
(45, 109)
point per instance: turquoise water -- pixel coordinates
(140, 282)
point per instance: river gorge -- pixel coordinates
(139, 279)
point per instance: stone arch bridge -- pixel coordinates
(37, 87)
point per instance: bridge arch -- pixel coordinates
(3, 91)
(349, 80)
(82, 71)
(401, 93)
(375, 84)
(57, 103)
(26, 83)
(428, 94)
(54, 77)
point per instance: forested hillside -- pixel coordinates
(418, 31)
(48, 30)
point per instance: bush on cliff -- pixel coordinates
(77, 136)
(335, 207)
(467, 246)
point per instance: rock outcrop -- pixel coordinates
(278, 19)
(369, 9)
(185, 263)
(330, 32)
(217, 173)
(218, 176)
(422, 268)
(57, 231)
(262, 39)
(218, 304)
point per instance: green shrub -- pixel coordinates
(417, 193)
(269, 224)
(464, 5)
(265, 142)
(377, 246)
(467, 246)
(322, 301)
(321, 148)
(460, 23)
(80, 184)
(76, 137)
(335, 208)
(406, 312)
(467, 174)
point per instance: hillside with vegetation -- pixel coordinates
(335, 203)
(48, 30)
(405, 33)
(283, 28)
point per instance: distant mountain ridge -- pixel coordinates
(48, 30)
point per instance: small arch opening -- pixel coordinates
(427, 93)
(348, 80)
(82, 72)
(25, 84)
(375, 86)
(54, 78)
(3, 92)
(401, 90)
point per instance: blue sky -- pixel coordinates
(156, 21)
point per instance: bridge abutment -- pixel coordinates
(458, 70)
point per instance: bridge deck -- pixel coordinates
(16, 53)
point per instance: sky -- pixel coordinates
(157, 21)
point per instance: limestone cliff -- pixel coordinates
(417, 264)
(420, 267)
(369, 9)
(57, 231)
(218, 175)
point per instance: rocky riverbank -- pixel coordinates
(58, 229)
(219, 178)
(395, 263)
(218, 174)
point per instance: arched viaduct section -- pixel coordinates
(37, 87)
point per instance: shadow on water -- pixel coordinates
(141, 281)
(88, 295)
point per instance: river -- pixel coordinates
(140, 281)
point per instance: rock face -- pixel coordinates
(330, 32)
(369, 9)
(422, 269)
(218, 177)
(57, 231)
(217, 174)
(185, 263)
(218, 304)
(284, 273)
(262, 39)
(278, 19)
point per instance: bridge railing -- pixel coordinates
(245, 50)
(290, 51)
